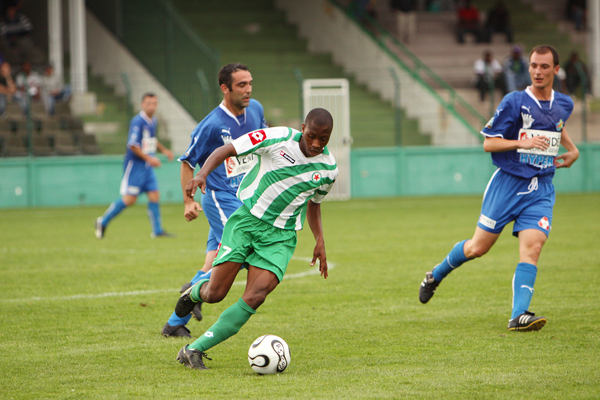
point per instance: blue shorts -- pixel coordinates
(217, 205)
(528, 202)
(137, 179)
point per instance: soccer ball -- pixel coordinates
(269, 354)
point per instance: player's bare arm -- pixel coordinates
(498, 145)
(213, 161)
(153, 161)
(572, 154)
(164, 150)
(313, 216)
(191, 208)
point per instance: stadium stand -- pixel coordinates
(534, 22)
(272, 50)
(15, 146)
(41, 145)
(88, 144)
(61, 134)
(64, 145)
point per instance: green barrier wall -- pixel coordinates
(376, 172)
(69, 181)
(404, 171)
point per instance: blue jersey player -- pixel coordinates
(138, 167)
(524, 137)
(237, 115)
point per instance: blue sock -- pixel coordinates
(201, 275)
(453, 260)
(154, 215)
(175, 320)
(523, 283)
(113, 210)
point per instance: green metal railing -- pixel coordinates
(410, 63)
(168, 47)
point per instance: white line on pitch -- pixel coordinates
(312, 271)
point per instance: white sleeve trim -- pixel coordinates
(488, 135)
(188, 163)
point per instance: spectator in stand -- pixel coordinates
(576, 13)
(15, 29)
(488, 75)
(7, 86)
(53, 90)
(468, 22)
(406, 18)
(576, 72)
(498, 20)
(29, 84)
(364, 11)
(516, 70)
(560, 81)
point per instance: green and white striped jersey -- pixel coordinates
(277, 189)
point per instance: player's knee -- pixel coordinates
(129, 200)
(532, 253)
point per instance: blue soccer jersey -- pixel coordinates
(218, 128)
(520, 112)
(142, 134)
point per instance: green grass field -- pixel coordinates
(81, 317)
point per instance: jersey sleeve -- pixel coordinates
(257, 141)
(263, 121)
(504, 120)
(568, 107)
(135, 134)
(199, 149)
(321, 193)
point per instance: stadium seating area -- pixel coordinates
(257, 34)
(60, 135)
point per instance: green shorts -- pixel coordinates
(249, 240)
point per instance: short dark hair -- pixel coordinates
(226, 72)
(319, 117)
(544, 49)
(147, 94)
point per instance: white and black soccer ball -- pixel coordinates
(269, 354)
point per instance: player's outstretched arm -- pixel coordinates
(313, 215)
(191, 208)
(164, 150)
(572, 153)
(213, 161)
(153, 161)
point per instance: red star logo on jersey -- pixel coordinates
(544, 223)
(316, 177)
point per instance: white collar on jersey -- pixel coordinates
(146, 118)
(222, 105)
(528, 91)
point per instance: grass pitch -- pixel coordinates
(81, 317)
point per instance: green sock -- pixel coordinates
(228, 324)
(195, 293)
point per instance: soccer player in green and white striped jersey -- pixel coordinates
(294, 172)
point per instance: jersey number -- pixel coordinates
(223, 251)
